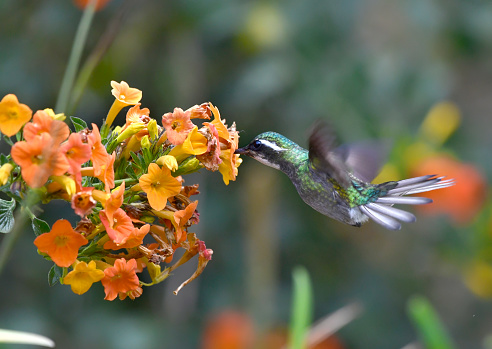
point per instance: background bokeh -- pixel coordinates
(373, 69)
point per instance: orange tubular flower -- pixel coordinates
(120, 228)
(181, 218)
(62, 243)
(135, 114)
(177, 125)
(121, 277)
(201, 111)
(228, 167)
(211, 158)
(99, 155)
(131, 294)
(13, 115)
(106, 174)
(39, 158)
(135, 239)
(43, 123)
(125, 96)
(159, 185)
(83, 276)
(219, 124)
(76, 152)
(83, 202)
(114, 201)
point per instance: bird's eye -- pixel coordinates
(256, 145)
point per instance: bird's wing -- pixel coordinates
(322, 154)
(364, 159)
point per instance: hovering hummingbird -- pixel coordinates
(336, 181)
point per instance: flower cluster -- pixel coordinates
(125, 182)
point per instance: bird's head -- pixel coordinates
(269, 148)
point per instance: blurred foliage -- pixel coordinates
(372, 69)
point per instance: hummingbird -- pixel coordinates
(336, 180)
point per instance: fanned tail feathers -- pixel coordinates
(382, 211)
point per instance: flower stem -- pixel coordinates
(21, 217)
(74, 60)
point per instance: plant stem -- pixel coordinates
(301, 309)
(74, 60)
(21, 217)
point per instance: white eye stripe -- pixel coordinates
(271, 145)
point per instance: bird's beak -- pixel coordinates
(242, 151)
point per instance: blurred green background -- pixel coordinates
(373, 69)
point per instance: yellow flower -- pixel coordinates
(194, 144)
(54, 116)
(67, 183)
(5, 173)
(228, 166)
(83, 276)
(124, 96)
(159, 185)
(219, 124)
(13, 115)
(152, 128)
(169, 161)
(478, 278)
(441, 122)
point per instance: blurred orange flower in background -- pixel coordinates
(229, 329)
(233, 329)
(461, 201)
(82, 4)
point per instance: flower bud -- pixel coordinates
(152, 128)
(5, 173)
(169, 161)
(130, 131)
(145, 142)
(189, 165)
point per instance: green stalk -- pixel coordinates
(302, 305)
(74, 60)
(20, 219)
(97, 54)
(431, 330)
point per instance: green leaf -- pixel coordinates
(147, 156)
(130, 171)
(78, 124)
(136, 160)
(39, 226)
(55, 274)
(431, 330)
(302, 306)
(6, 215)
(3, 159)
